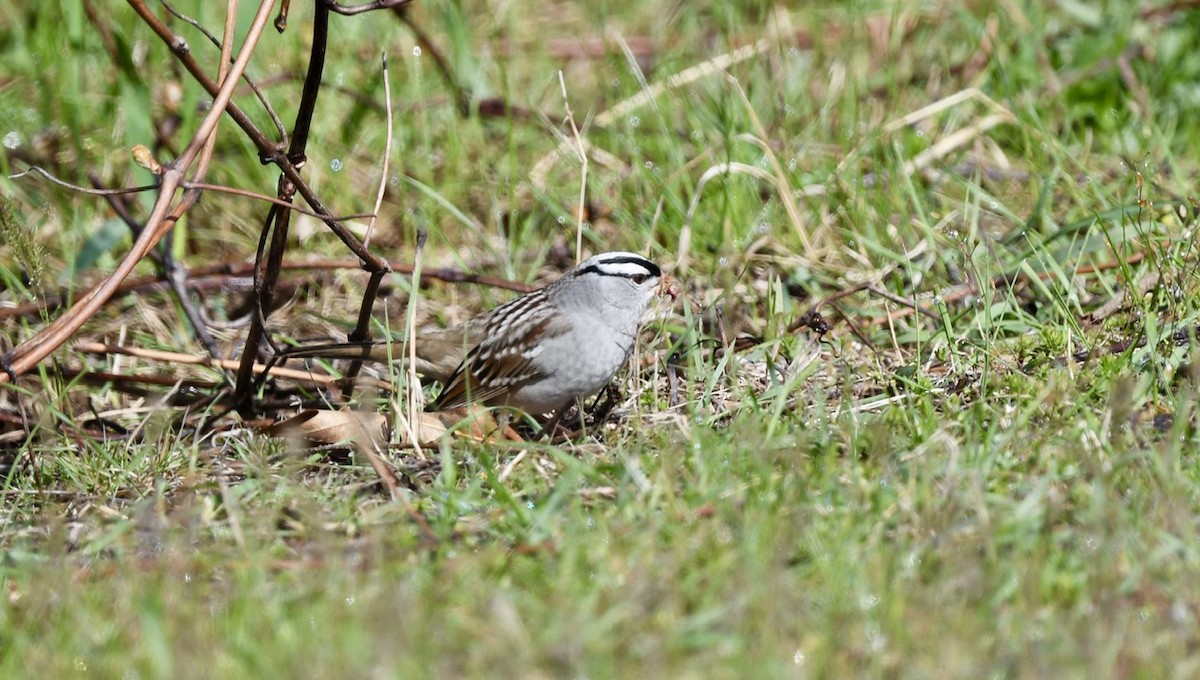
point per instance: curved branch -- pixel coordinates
(27, 355)
(254, 87)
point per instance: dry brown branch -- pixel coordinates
(219, 188)
(161, 356)
(254, 87)
(269, 258)
(217, 275)
(121, 379)
(289, 160)
(162, 218)
(102, 29)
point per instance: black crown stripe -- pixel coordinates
(651, 268)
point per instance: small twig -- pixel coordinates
(123, 382)
(854, 328)
(117, 203)
(376, 265)
(226, 364)
(82, 189)
(254, 87)
(201, 276)
(816, 308)
(386, 475)
(269, 152)
(265, 278)
(907, 302)
(512, 465)
(267, 275)
(106, 36)
(234, 191)
(222, 74)
(362, 329)
(219, 188)
(175, 274)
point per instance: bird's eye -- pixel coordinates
(639, 279)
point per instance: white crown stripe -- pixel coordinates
(626, 269)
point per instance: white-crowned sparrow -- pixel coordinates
(541, 351)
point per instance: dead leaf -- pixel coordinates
(321, 427)
(366, 431)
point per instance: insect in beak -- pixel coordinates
(669, 286)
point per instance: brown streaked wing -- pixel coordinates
(497, 366)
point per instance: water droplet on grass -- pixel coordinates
(417, 51)
(335, 165)
(12, 140)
